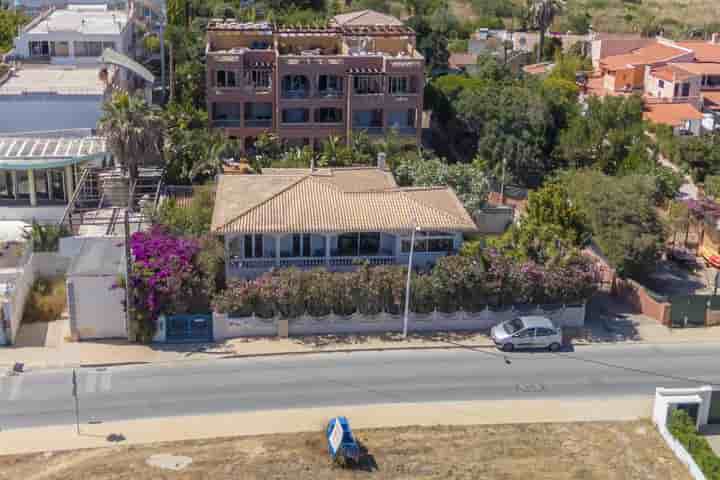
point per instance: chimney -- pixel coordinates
(715, 38)
(381, 161)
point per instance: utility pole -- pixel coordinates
(77, 402)
(407, 283)
(128, 269)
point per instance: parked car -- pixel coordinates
(527, 332)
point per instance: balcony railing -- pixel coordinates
(405, 130)
(370, 130)
(227, 123)
(295, 93)
(329, 93)
(308, 262)
(258, 122)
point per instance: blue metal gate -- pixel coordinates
(189, 328)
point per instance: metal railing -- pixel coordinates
(258, 123)
(368, 129)
(309, 262)
(227, 123)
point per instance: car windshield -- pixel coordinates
(513, 325)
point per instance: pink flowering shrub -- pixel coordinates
(163, 279)
(457, 282)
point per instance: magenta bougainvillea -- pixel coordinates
(163, 278)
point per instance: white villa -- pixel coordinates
(332, 218)
(76, 35)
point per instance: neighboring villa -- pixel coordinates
(333, 218)
(57, 80)
(678, 80)
(362, 72)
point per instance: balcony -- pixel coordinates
(406, 130)
(369, 129)
(238, 264)
(227, 123)
(258, 122)
(330, 93)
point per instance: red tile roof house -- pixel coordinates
(361, 72)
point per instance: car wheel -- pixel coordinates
(508, 347)
(554, 347)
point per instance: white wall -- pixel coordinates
(225, 326)
(96, 310)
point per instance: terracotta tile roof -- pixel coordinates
(538, 68)
(700, 68)
(348, 179)
(673, 114)
(365, 18)
(653, 53)
(313, 203)
(672, 72)
(704, 51)
(461, 60)
(712, 100)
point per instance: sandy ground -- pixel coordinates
(587, 451)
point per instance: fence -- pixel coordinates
(225, 326)
(643, 300)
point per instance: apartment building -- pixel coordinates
(359, 73)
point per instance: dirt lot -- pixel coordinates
(582, 451)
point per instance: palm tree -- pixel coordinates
(543, 13)
(45, 238)
(329, 155)
(133, 130)
(217, 148)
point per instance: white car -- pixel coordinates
(527, 332)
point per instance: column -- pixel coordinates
(31, 186)
(13, 174)
(68, 182)
(327, 248)
(277, 250)
(49, 180)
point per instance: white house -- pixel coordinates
(76, 35)
(36, 7)
(333, 218)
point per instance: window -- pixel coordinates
(529, 333)
(367, 85)
(253, 247)
(60, 49)
(258, 111)
(302, 245)
(369, 243)
(436, 242)
(226, 111)
(544, 332)
(110, 45)
(39, 49)
(401, 119)
(295, 115)
(367, 118)
(347, 245)
(330, 84)
(685, 90)
(295, 86)
(661, 84)
(260, 78)
(225, 78)
(88, 49)
(401, 85)
(328, 115)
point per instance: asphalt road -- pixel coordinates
(45, 397)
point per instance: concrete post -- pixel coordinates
(277, 250)
(31, 187)
(49, 180)
(68, 182)
(13, 175)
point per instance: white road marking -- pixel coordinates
(91, 381)
(15, 385)
(105, 381)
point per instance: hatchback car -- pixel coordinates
(527, 332)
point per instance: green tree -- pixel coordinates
(10, 21)
(133, 130)
(609, 136)
(193, 219)
(543, 13)
(551, 227)
(620, 213)
(45, 238)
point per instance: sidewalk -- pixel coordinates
(492, 412)
(627, 328)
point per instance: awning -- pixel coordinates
(26, 153)
(114, 58)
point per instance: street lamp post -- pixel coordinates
(407, 283)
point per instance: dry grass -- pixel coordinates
(579, 451)
(46, 301)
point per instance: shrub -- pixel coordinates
(683, 429)
(46, 301)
